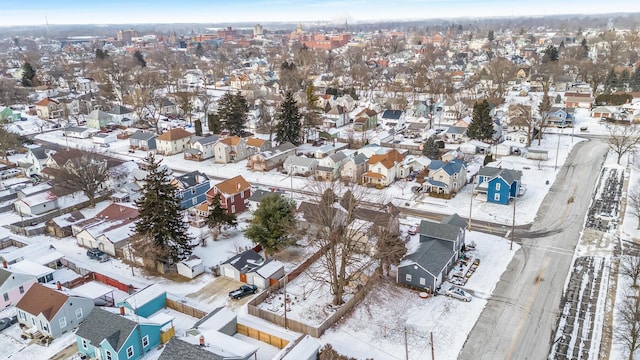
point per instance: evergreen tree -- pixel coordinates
(232, 111)
(611, 81)
(491, 36)
(634, 82)
(481, 127)
(199, 50)
(288, 128)
(562, 46)
(624, 80)
(198, 127)
(162, 233)
(550, 54)
(28, 74)
(312, 114)
(213, 122)
(101, 55)
(430, 148)
(219, 217)
(139, 58)
(273, 223)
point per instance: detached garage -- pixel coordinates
(191, 267)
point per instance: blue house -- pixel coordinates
(145, 302)
(500, 185)
(108, 335)
(192, 188)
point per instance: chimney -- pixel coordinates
(58, 286)
(4, 264)
(201, 340)
(121, 310)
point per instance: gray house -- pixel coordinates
(143, 140)
(52, 312)
(439, 249)
(300, 165)
(272, 158)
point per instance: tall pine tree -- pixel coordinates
(634, 82)
(430, 148)
(219, 217)
(232, 111)
(289, 127)
(161, 232)
(28, 74)
(272, 223)
(611, 81)
(481, 127)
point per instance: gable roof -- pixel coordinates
(387, 160)
(174, 134)
(508, 175)
(191, 179)
(455, 219)
(233, 186)
(38, 152)
(61, 157)
(205, 140)
(41, 299)
(450, 167)
(102, 325)
(10, 280)
(231, 140)
(255, 142)
(177, 349)
(46, 101)
(246, 261)
(432, 255)
(143, 135)
(392, 114)
(441, 231)
(119, 110)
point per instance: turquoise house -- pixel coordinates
(117, 336)
(145, 302)
(7, 115)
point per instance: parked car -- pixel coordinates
(97, 254)
(456, 292)
(413, 230)
(243, 291)
(6, 322)
(105, 145)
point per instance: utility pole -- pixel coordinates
(285, 302)
(513, 221)
(406, 345)
(470, 208)
(433, 354)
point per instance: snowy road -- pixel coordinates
(518, 321)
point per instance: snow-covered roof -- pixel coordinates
(92, 290)
(145, 295)
(269, 268)
(29, 267)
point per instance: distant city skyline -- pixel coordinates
(34, 12)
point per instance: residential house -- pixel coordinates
(421, 109)
(394, 119)
(98, 119)
(272, 158)
(498, 185)
(234, 194)
(85, 85)
(36, 204)
(255, 145)
(336, 117)
(104, 138)
(173, 141)
(44, 274)
(557, 117)
(257, 196)
(143, 140)
(412, 164)
(108, 335)
(366, 119)
(445, 177)
(416, 130)
(109, 230)
(382, 169)
(251, 268)
(120, 115)
(449, 111)
(439, 248)
(77, 132)
(8, 116)
(34, 161)
(329, 167)
(168, 107)
(578, 100)
(354, 168)
(601, 112)
(456, 134)
(13, 286)
(300, 165)
(52, 312)
(48, 108)
(230, 149)
(202, 148)
(191, 188)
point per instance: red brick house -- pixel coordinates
(234, 194)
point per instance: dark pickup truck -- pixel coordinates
(243, 291)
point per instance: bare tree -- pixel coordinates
(627, 331)
(630, 266)
(622, 139)
(390, 248)
(8, 140)
(343, 234)
(501, 71)
(86, 170)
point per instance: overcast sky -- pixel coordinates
(30, 12)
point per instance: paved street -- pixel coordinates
(519, 319)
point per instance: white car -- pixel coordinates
(456, 292)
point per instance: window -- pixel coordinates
(233, 209)
(6, 296)
(242, 195)
(63, 322)
(107, 355)
(193, 191)
(84, 344)
(423, 281)
(145, 341)
(496, 197)
(79, 313)
(408, 277)
(233, 198)
(129, 352)
(497, 186)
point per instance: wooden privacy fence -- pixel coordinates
(184, 308)
(262, 336)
